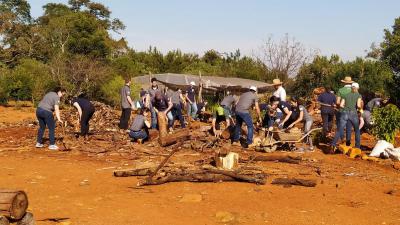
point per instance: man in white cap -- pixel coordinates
(342, 92)
(349, 103)
(279, 92)
(245, 102)
(191, 101)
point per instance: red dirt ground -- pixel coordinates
(348, 191)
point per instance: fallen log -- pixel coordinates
(178, 136)
(278, 158)
(204, 176)
(238, 177)
(13, 204)
(134, 172)
(288, 182)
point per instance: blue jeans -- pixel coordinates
(177, 114)
(153, 118)
(348, 128)
(45, 119)
(192, 110)
(141, 134)
(345, 118)
(246, 118)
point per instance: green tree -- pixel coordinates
(391, 55)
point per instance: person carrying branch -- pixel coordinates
(245, 102)
(85, 110)
(139, 130)
(44, 113)
(127, 105)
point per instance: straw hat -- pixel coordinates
(276, 82)
(347, 80)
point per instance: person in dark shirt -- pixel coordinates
(85, 110)
(327, 100)
(191, 101)
(270, 113)
(162, 104)
(290, 114)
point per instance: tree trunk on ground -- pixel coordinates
(166, 139)
(287, 182)
(278, 158)
(13, 204)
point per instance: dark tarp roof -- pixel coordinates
(210, 83)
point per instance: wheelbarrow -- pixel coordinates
(277, 138)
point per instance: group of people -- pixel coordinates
(279, 112)
(351, 113)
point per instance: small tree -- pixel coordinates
(386, 122)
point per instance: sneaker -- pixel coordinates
(38, 145)
(53, 147)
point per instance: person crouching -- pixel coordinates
(139, 129)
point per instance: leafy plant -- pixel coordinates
(386, 122)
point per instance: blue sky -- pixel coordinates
(343, 27)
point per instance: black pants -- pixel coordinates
(124, 120)
(327, 120)
(218, 120)
(177, 114)
(86, 116)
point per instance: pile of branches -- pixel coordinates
(104, 118)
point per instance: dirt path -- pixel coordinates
(55, 183)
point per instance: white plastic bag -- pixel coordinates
(380, 147)
(394, 153)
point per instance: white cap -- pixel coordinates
(355, 85)
(254, 88)
(192, 83)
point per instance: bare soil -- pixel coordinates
(78, 189)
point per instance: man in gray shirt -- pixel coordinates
(226, 104)
(246, 100)
(177, 99)
(126, 105)
(152, 92)
(44, 113)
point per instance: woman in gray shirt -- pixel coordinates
(44, 113)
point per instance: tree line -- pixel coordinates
(72, 45)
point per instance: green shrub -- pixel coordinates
(386, 122)
(111, 90)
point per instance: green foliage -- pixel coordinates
(373, 76)
(111, 90)
(390, 49)
(386, 122)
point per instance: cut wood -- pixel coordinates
(294, 181)
(13, 204)
(178, 136)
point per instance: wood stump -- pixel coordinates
(166, 139)
(13, 204)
